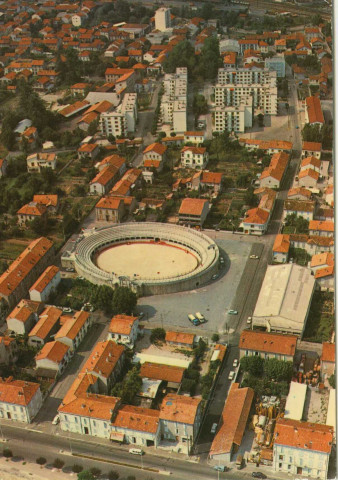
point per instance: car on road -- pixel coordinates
(231, 375)
(249, 320)
(221, 259)
(70, 269)
(258, 475)
(136, 451)
(214, 277)
(56, 419)
(221, 468)
(255, 257)
(213, 428)
(233, 312)
(235, 363)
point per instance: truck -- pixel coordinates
(193, 319)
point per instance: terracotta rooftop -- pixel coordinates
(24, 310)
(122, 324)
(47, 200)
(312, 146)
(321, 259)
(256, 216)
(104, 176)
(268, 342)
(47, 320)
(282, 243)
(299, 206)
(103, 358)
(158, 148)
(325, 226)
(303, 435)
(192, 206)
(32, 208)
(158, 371)
(17, 392)
(180, 337)
(53, 351)
(329, 352)
(211, 177)
(314, 110)
(72, 326)
(311, 162)
(110, 203)
(45, 278)
(234, 418)
(177, 408)
(299, 191)
(94, 406)
(194, 150)
(137, 418)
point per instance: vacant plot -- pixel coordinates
(320, 323)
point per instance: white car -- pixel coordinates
(213, 428)
(136, 451)
(235, 363)
(67, 310)
(255, 257)
(231, 375)
(56, 420)
(249, 320)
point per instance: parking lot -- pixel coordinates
(212, 300)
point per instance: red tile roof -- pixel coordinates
(192, 206)
(137, 418)
(91, 405)
(282, 243)
(109, 203)
(104, 176)
(53, 351)
(194, 150)
(24, 310)
(157, 371)
(45, 278)
(158, 148)
(256, 216)
(303, 435)
(268, 342)
(312, 146)
(211, 177)
(314, 110)
(104, 358)
(47, 320)
(177, 408)
(72, 326)
(32, 209)
(17, 392)
(122, 324)
(329, 352)
(234, 418)
(180, 337)
(325, 226)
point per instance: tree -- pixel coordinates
(129, 387)
(58, 463)
(332, 380)
(253, 365)
(215, 338)
(124, 300)
(113, 475)
(7, 453)
(85, 475)
(278, 370)
(157, 335)
(77, 468)
(95, 471)
(182, 55)
(41, 460)
(300, 224)
(200, 105)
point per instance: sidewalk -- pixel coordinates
(25, 470)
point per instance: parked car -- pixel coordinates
(221, 468)
(233, 312)
(259, 475)
(213, 428)
(56, 420)
(255, 257)
(235, 363)
(200, 317)
(136, 451)
(141, 315)
(214, 277)
(67, 310)
(249, 320)
(193, 319)
(231, 375)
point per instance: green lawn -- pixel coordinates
(320, 323)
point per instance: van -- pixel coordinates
(200, 317)
(193, 319)
(239, 462)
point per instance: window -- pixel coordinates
(280, 465)
(281, 457)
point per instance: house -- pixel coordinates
(52, 359)
(194, 157)
(115, 161)
(301, 208)
(329, 194)
(267, 345)
(19, 400)
(51, 202)
(103, 181)
(47, 325)
(211, 180)
(24, 270)
(197, 138)
(269, 146)
(317, 227)
(169, 374)
(231, 427)
(74, 329)
(307, 178)
(310, 162)
(311, 149)
(328, 360)
(277, 308)
(180, 420)
(105, 362)
(24, 316)
(256, 221)
(302, 448)
(123, 329)
(180, 339)
(110, 209)
(79, 88)
(273, 175)
(37, 161)
(45, 285)
(30, 212)
(299, 193)
(154, 156)
(322, 266)
(136, 426)
(281, 247)
(193, 211)
(313, 111)
(88, 150)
